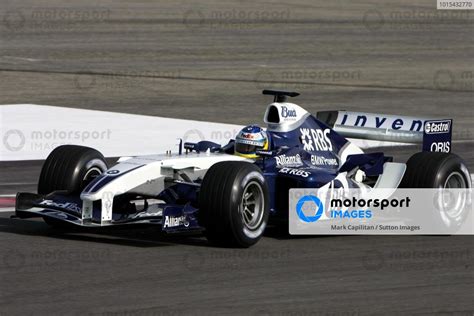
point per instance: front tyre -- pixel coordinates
(234, 204)
(69, 168)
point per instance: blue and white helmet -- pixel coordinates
(250, 139)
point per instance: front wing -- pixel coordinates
(68, 208)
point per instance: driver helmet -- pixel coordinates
(250, 139)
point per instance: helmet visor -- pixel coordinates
(245, 148)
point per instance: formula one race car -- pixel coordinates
(231, 192)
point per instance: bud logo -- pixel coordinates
(288, 161)
(286, 112)
(437, 127)
(171, 221)
(315, 139)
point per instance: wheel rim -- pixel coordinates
(90, 175)
(454, 181)
(252, 205)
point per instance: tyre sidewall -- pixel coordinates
(86, 163)
(454, 164)
(431, 170)
(450, 166)
(239, 229)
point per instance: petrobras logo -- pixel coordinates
(288, 161)
(172, 221)
(287, 112)
(323, 161)
(295, 172)
(316, 139)
(438, 127)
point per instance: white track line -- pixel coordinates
(17, 183)
(7, 209)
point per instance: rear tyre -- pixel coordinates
(436, 170)
(69, 168)
(441, 171)
(234, 204)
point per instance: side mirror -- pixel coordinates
(202, 146)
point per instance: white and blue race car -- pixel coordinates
(232, 197)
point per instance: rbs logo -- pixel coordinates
(316, 139)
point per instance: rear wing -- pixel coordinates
(434, 134)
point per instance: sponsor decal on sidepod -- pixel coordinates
(288, 161)
(295, 172)
(316, 139)
(323, 161)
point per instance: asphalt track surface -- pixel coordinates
(209, 61)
